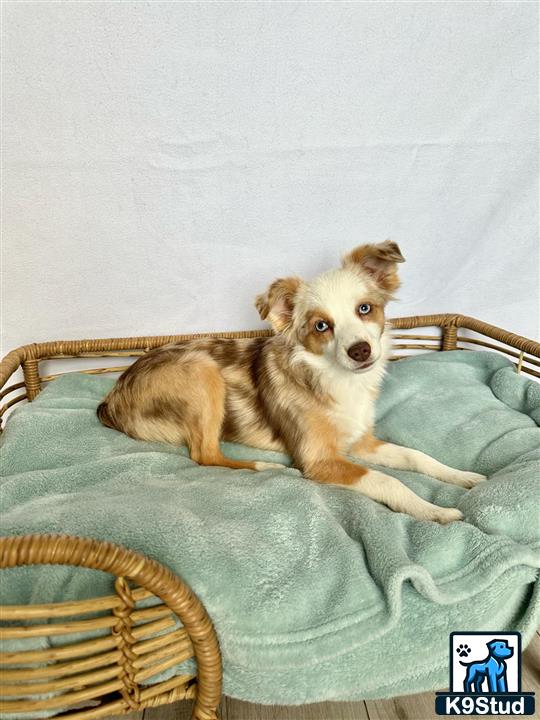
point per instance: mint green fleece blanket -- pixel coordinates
(316, 592)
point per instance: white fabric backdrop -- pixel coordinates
(165, 161)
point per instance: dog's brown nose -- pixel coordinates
(359, 352)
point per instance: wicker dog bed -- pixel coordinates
(109, 671)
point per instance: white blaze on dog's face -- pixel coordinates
(338, 317)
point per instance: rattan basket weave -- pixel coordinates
(109, 672)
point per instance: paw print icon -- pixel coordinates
(463, 650)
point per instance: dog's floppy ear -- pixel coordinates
(380, 261)
(277, 303)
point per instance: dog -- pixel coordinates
(492, 669)
(308, 390)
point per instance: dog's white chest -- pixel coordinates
(353, 409)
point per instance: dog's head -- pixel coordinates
(500, 649)
(339, 316)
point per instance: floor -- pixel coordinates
(411, 707)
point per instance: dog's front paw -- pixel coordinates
(469, 479)
(446, 515)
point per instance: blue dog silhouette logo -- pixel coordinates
(491, 670)
(485, 676)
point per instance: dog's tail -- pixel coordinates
(104, 414)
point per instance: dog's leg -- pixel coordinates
(492, 680)
(203, 432)
(377, 486)
(493, 673)
(478, 684)
(316, 452)
(401, 458)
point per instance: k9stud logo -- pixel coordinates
(485, 676)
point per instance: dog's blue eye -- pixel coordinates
(321, 326)
(364, 308)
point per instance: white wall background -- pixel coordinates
(163, 162)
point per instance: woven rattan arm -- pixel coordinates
(146, 573)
